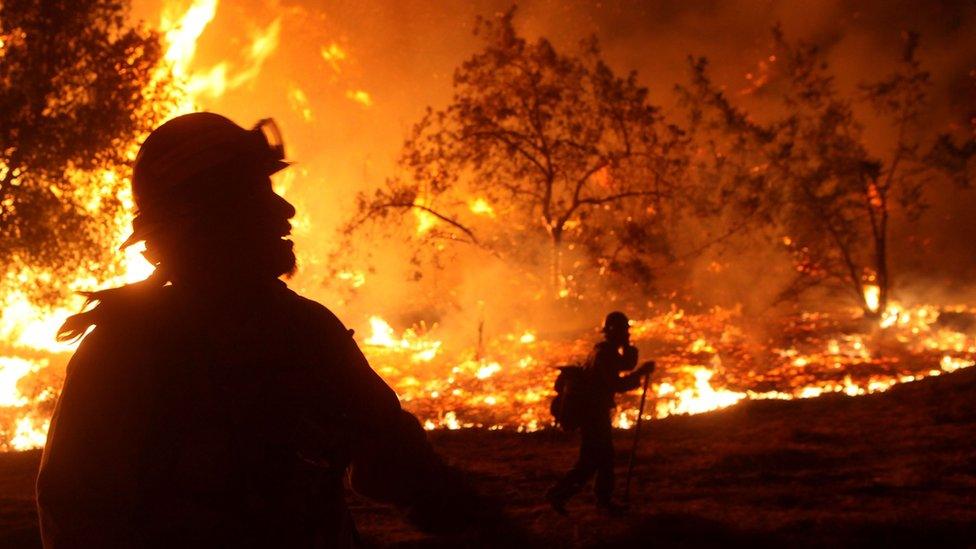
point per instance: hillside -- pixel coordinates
(892, 468)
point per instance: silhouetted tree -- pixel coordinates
(73, 98)
(808, 171)
(557, 148)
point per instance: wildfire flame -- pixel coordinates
(26, 329)
(872, 297)
(705, 362)
(511, 385)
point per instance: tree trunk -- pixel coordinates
(556, 263)
(881, 263)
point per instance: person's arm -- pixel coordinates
(391, 455)
(608, 362)
(392, 460)
(633, 379)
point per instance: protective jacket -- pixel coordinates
(221, 421)
(603, 368)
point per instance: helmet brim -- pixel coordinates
(141, 233)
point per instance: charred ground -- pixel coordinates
(892, 468)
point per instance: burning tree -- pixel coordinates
(74, 95)
(809, 171)
(539, 146)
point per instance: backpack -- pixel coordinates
(572, 397)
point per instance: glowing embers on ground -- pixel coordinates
(706, 363)
(422, 349)
(505, 388)
(695, 399)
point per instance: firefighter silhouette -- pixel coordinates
(210, 405)
(602, 380)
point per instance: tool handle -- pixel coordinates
(633, 449)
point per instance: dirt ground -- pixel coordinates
(893, 469)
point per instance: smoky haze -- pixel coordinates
(345, 112)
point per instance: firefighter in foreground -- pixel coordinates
(210, 405)
(588, 406)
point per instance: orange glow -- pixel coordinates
(425, 220)
(299, 103)
(334, 56)
(453, 376)
(360, 96)
(481, 206)
(872, 296)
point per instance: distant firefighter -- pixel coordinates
(588, 407)
(211, 406)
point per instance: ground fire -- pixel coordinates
(707, 365)
(502, 378)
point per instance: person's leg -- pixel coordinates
(603, 461)
(586, 465)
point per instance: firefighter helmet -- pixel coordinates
(616, 322)
(179, 152)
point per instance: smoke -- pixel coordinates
(348, 79)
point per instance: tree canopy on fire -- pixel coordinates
(75, 95)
